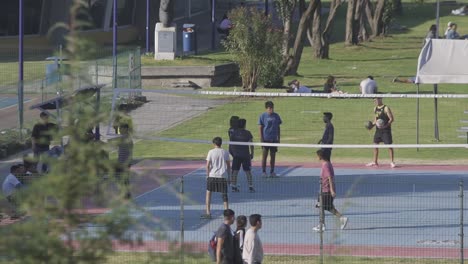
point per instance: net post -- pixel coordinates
(182, 225)
(417, 117)
(321, 221)
(436, 115)
(461, 196)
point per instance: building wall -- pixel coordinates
(132, 22)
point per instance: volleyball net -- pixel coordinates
(179, 123)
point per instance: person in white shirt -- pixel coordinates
(296, 87)
(9, 187)
(218, 165)
(368, 86)
(253, 249)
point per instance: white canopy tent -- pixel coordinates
(441, 61)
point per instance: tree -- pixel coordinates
(374, 13)
(54, 232)
(254, 44)
(295, 58)
(321, 35)
(363, 14)
(286, 10)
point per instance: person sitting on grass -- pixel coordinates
(10, 186)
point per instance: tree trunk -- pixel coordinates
(287, 18)
(295, 58)
(350, 23)
(362, 34)
(316, 30)
(324, 52)
(378, 14)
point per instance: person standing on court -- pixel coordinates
(328, 134)
(383, 119)
(125, 157)
(41, 138)
(218, 165)
(225, 247)
(253, 248)
(328, 191)
(242, 155)
(368, 86)
(270, 132)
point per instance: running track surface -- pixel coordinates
(410, 211)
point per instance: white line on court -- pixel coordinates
(169, 182)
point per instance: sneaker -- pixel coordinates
(393, 165)
(264, 175)
(344, 222)
(319, 228)
(251, 189)
(273, 175)
(235, 189)
(372, 164)
(205, 216)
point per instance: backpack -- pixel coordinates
(212, 245)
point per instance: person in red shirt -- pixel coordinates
(327, 178)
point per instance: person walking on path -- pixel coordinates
(328, 191)
(218, 164)
(242, 155)
(41, 138)
(270, 132)
(253, 248)
(383, 119)
(328, 134)
(225, 245)
(125, 157)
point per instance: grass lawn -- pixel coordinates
(384, 58)
(137, 258)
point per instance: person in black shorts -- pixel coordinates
(218, 166)
(242, 155)
(270, 132)
(383, 120)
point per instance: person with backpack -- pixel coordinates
(225, 242)
(241, 223)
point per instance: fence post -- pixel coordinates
(97, 72)
(461, 195)
(182, 229)
(322, 221)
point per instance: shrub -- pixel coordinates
(256, 46)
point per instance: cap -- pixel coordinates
(450, 24)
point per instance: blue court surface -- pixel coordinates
(9, 101)
(391, 209)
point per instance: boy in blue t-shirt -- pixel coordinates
(270, 132)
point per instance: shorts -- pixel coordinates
(327, 152)
(327, 201)
(271, 149)
(244, 161)
(217, 185)
(383, 135)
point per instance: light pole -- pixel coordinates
(20, 68)
(147, 25)
(114, 46)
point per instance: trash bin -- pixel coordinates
(189, 39)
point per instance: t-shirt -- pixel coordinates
(368, 86)
(452, 34)
(9, 184)
(42, 133)
(303, 89)
(326, 172)
(228, 250)
(270, 125)
(241, 135)
(328, 134)
(253, 248)
(218, 158)
(225, 24)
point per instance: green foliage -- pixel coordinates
(284, 8)
(57, 229)
(10, 142)
(388, 14)
(255, 45)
